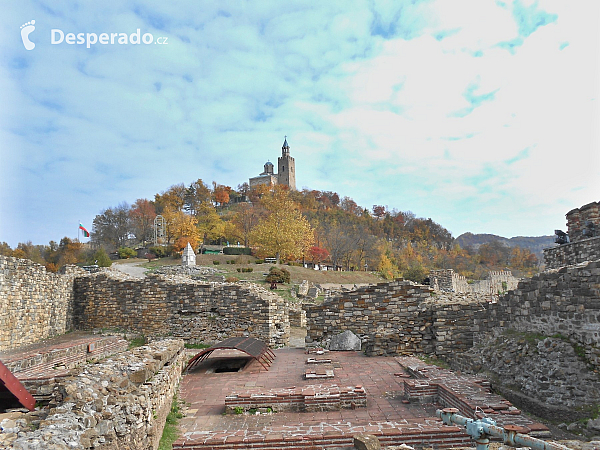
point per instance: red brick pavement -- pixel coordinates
(385, 415)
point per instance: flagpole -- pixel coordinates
(78, 232)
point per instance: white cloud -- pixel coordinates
(410, 105)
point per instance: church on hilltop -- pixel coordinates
(286, 171)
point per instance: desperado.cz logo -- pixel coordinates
(58, 36)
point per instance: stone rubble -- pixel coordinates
(121, 402)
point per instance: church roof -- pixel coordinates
(268, 163)
(285, 144)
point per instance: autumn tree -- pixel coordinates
(317, 254)
(245, 217)
(142, 216)
(196, 195)
(221, 193)
(285, 232)
(173, 198)
(180, 225)
(112, 227)
(209, 223)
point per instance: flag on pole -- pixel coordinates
(86, 233)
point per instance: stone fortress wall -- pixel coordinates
(578, 220)
(583, 226)
(180, 307)
(34, 304)
(397, 318)
(120, 402)
(446, 280)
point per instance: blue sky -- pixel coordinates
(480, 114)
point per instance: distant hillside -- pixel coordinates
(534, 243)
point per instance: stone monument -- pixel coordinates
(189, 257)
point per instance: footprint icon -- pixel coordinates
(26, 29)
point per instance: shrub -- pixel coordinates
(247, 269)
(101, 258)
(259, 261)
(51, 267)
(126, 253)
(232, 279)
(239, 269)
(278, 275)
(150, 256)
(216, 263)
(160, 251)
(236, 251)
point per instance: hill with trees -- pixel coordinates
(535, 244)
(293, 226)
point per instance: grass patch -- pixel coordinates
(197, 345)
(137, 342)
(531, 338)
(434, 361)
(170, 432)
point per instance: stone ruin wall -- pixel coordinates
(397, 318)
(578, 218)
(34, 304)
(400, 317)
(178, 306)
(564, 301)
(572, 253)
(446, 280)
(120, 402)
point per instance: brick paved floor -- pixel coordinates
(205, 392)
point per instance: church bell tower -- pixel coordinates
(286, 167)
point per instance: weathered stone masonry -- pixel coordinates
(572, 253)
(34, 304)
(564, 301)
(121, 402)
(192, 310)
(395, 318)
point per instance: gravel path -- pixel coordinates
(134, 269)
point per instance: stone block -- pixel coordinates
(346, 341)
(366, 442)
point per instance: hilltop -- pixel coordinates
(535, 244)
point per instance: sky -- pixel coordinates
(482, 115)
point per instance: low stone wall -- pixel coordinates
(34, 304)
(311, 398)
(121, 402)
(572, 253)
(180, 307)
(386, 316)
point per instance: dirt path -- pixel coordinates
(134, 269)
